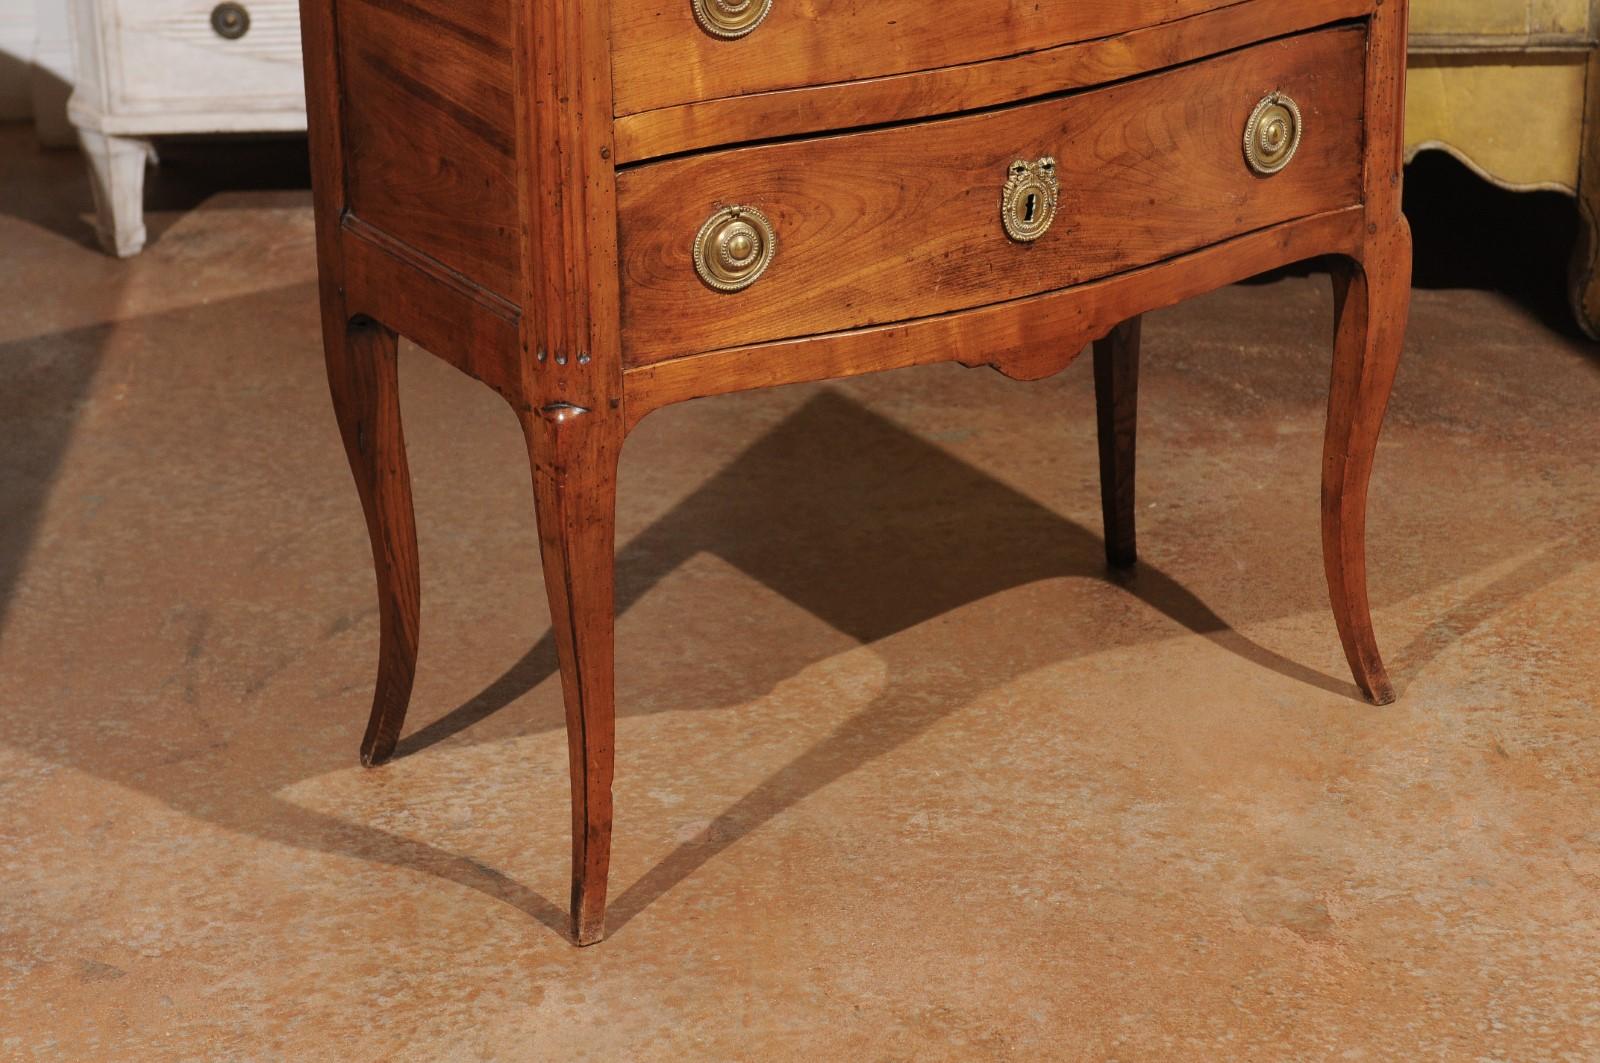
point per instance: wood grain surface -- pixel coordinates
(430, 140)
(948, 90)
(571, 416)
(661, 56)
(468, 195)
(905, 222)
(1028, 338)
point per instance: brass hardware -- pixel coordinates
(1028, 203)
(230, 21)
(730, 19)
(1273, 134)
(734, 247)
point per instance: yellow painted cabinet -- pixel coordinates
(1505, 86)
(1503, 19)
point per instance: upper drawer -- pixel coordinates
(905, 222)
(165, 56)
(662, 55)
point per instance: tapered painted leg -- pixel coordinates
(1116, 396)
(116, 169)
(1371, 301)
(574, 456)
(363, 378)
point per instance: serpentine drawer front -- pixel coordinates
(905, 222)
(678, 51)
(599, 209)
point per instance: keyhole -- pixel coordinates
(1030, 206)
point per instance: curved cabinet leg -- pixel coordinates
(1371, 300)
(1116, 396)
(574, 457)
(116, 171)
(364, 381)
(1583, 272)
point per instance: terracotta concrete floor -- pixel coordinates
(901, 774)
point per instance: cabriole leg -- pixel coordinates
(363, 377)
(574, 458)
(1583, 271)
(1116, 395)
(1371, 300)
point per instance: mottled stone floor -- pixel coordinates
(902, 774)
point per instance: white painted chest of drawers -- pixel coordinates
(155, 67)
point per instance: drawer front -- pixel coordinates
(663, 55)
(906, 222)
(165, 56)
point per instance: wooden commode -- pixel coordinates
(600, 207)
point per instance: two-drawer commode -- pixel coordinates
(601, 208)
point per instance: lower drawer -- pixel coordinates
(906, 222)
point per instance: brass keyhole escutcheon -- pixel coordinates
(733, 248)
(730, 19)
(1272, 135)
(1028, 201)
(230, 21)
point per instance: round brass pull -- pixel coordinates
(230, 21)
(1272, 135)
(730, 19)
(734, 247)
(1028, 201)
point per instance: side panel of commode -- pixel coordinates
(429, 132)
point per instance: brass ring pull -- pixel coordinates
(1272, 135)
(230, 21)
(734, 248)
(730, 19)
(1028, 201)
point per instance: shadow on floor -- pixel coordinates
(49, 187)
(939, 534)
(1470, 234)
(871, 528)
(43, 380)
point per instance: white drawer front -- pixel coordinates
(163, 56)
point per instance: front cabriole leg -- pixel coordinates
(574, 456)
(1372, 298)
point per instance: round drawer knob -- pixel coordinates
(1028, 201)
(734, 247)
(730, 19)
(230, 21)
(1273, 134)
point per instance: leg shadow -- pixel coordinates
(873, 530)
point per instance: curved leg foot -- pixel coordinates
(1583, 272)
(1116, 396)
(574, 457)
(1371, 301)
(362, 375)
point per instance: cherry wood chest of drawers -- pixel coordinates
(601, 207)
